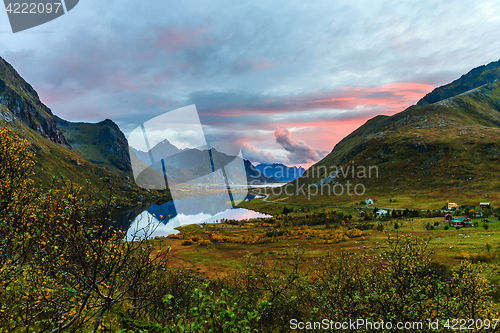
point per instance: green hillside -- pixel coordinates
(424, 155)
(475, 78)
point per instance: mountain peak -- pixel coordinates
(280, 171)
(475, 78)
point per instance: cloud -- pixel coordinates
(258, 156)
(299, 151)
(173, 40)
(253, 64)
(332, 65)
(221, 106)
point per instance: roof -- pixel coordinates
(460, 219)
(484, 203)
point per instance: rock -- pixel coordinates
(22, 101)
(75, 162)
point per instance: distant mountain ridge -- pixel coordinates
(163, 148)
(280, 171)
(189, 164)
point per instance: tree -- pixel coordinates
(488, 246)
(17, 209)
(94, 266)
(63, 262)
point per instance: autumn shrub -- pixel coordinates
(204, 242)
(406, 285)
(351, 233)
(334, 236)
(17, 207)
(188, 241)
(64, 264)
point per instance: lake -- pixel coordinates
(194, 210)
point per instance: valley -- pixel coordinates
(379, 198)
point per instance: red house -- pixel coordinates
(361, 214)
(448, 217)
(484, 205)
(461, 222)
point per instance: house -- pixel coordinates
(382, 212)
(452, 205)
(484, 205)
(362, 214)
(448, 217)
(368, 201)
(461, 222)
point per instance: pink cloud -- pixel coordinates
(256, 155)
(255, 64)
(298, 151)
(391, 98)
(173, 40)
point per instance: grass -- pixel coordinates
(450, 246)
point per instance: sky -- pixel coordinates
(286, 80)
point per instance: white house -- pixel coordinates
(368, 201)
(382, 212)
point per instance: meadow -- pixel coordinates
(217, 248)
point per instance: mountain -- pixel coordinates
(160, 150)
(19, 99)
(446, 147)
(79, 151)
(476, 78)
(280, 171)
(191, 166)
(103, 144)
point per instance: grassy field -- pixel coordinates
(195, 248)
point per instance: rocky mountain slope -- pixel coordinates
(19, 99)
(79, 151)
(103, 144)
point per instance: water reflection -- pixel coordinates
(192, 210)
